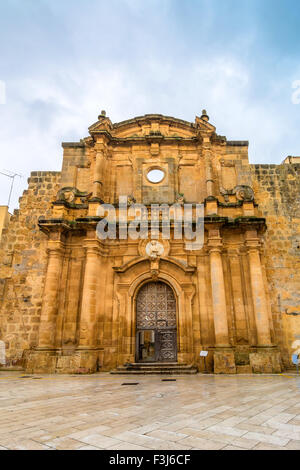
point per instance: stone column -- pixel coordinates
(87, 338)
(218, 298)
(47, 332)
(208, 173)
(224, 361)
(259, 295)
(98, 175)
(237, 296)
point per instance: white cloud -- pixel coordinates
(131, 61)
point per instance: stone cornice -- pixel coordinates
(54, 224)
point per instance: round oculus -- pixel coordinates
(155, 175)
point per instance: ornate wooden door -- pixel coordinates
(156, 311)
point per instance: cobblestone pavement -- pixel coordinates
(193, 412)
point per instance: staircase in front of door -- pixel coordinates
(152, 368)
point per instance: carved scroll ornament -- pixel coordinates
(242, 193)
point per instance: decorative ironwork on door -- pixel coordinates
(156, 311)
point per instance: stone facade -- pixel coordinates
(4, 218)
(69, 299)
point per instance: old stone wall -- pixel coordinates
(70, 298)
(23, 262)
(277, 192)
(4, 218)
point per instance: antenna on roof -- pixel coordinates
(12, 176)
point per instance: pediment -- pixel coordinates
(155, 126)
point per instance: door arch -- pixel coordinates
(156, 323)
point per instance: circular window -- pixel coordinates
(155, 175)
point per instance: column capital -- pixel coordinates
(215, 249)
(233, 251)
(214, 242)
(253, 245)
(55, 248)
(91, 247)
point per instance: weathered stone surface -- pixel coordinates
(4, 218)
(224, 362)
(68, 299)
(265, 362)
(244, 369)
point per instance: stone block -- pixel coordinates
(40, 362)
(247, 369)
(224, 362)
(265, 362)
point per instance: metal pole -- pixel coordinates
(12, 177)
(11, 188)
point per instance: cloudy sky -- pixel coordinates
(63, 61)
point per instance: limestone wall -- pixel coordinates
(277, 192)
(75, 172)
(4, 218)
(23, 259)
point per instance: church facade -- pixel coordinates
(75, 302)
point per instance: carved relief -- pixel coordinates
(179, 198)
(242, 193)
(148, 248)
(154, 249)
(226, 163)
(69, 195)
(130, 201)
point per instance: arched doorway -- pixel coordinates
(156, 323)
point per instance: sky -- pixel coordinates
(63, 61)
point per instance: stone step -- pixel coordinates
(155, 372)
(156, 365)
(155, 368)
(12, 369)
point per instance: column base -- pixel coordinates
(224, 362)
(42, 361)
(265, 360)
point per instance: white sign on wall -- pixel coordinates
(203, 353)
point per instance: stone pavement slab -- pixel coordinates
(196, 412)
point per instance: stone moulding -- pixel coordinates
(81, 223)
(137, 260)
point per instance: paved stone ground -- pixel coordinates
(195, 412)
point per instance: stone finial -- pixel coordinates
(204, 116)
(102, 115)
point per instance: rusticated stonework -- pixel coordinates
(71, 302)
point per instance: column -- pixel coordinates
(237, 296)
(218, 298)
(259, 297)
(98, 175)
(47, 332)
(87, 337)
(209, 174)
